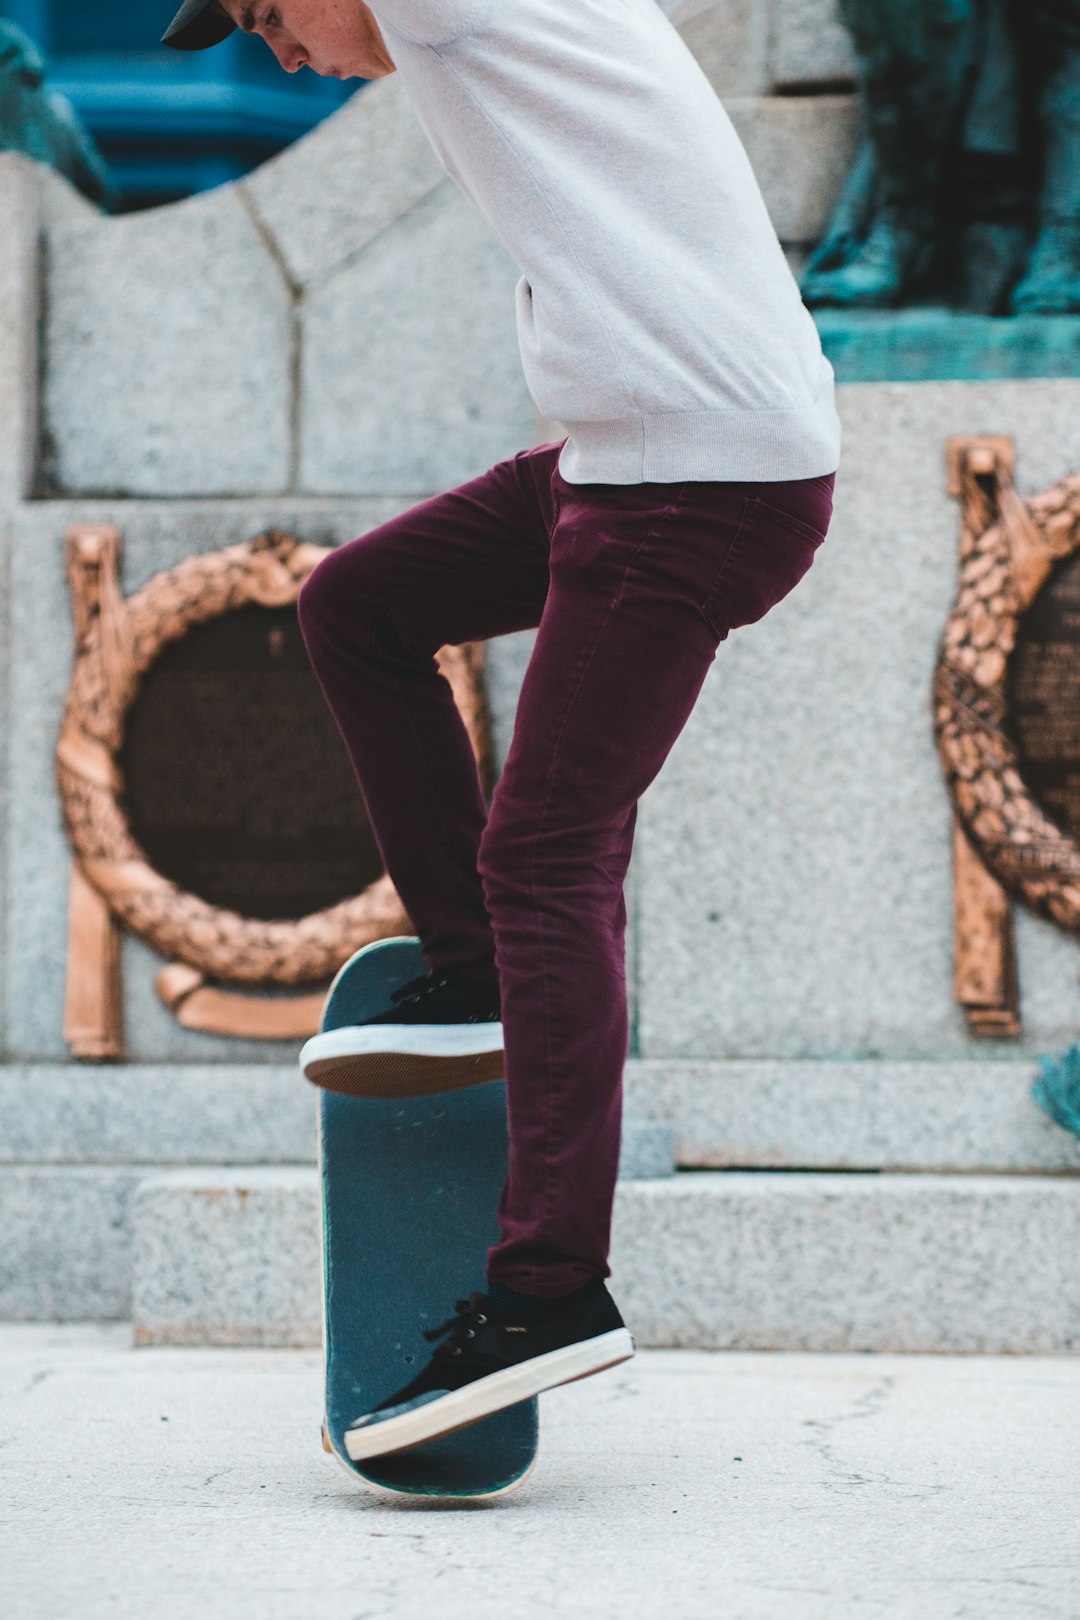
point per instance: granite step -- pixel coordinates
(65, 1227)
(873, 1114)
(720, 1260)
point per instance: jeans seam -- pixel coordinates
(736, 541)
(791, 518)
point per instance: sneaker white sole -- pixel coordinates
(491, 1394)
(403, 1060)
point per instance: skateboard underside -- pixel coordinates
(409, 1192)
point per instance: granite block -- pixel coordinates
(852, 1116)
(20, 210)
(647, 1150)
(958, 1116)
(232, 1256)
(808, 44)
(156, 1114)
(411, 374)
(795, 859)
(730, 41)
(325, 197)
(801, 148)
(156, 535)
(60, 202)
(232, 1259)
(738, 1261)
(169, 353)
(219, 1113)
(717, 1260)
(5, 744)
(65, 1246)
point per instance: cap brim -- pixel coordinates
(197, 25)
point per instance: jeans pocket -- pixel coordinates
(770, 553)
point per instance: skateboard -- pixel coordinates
(410, 1186)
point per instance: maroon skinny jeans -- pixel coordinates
(632, 586)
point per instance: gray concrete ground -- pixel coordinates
(189, 1484)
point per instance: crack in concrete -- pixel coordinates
(36, 1379)
(864, 1406)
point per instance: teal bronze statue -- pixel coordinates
(966, 190)
(40, 123)
(1057, 1089)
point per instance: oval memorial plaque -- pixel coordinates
(1043, 695)
(237, 783)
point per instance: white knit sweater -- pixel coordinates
(658, 320)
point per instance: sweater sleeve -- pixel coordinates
(431, 22)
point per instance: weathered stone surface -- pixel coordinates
(808, 43)
(324, 198)
(801, 148)
(647, 1149)
(227, 1259)
(221, 1113)
(731, 40)
(764, 1114)
(224, 1256)
(851, 1262)
(156, 535)
(133, 1113)
(720, 1260)
(61, 203)
(169, 344)
(412, 378)
(65, 1247)
(852, 1116)
(19, 212)
(20, 209)
(191, 1485)
(796, 881)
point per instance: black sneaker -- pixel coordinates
(441, 1033)
(491, 1358)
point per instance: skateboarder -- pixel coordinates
(660, 326)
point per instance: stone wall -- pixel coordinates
(321, 346)
(342, 322)
(332, 339)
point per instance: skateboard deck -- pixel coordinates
(410, 1187)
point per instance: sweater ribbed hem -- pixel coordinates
(758, 446)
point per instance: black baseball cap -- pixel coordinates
(197, 24)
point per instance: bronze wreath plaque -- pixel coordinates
(143, 666)
(1008, 666)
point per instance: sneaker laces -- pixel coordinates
(457, 1330)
